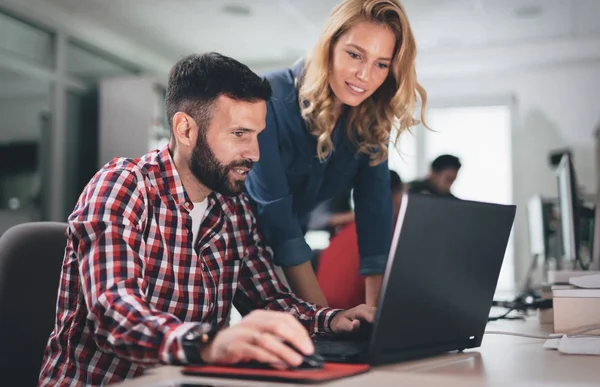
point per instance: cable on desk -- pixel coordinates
(580, 333)
(520, 335)
(522, 304)
(506, 316)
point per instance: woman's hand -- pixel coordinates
(351, 319)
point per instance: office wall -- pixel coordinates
(129, 109)
(556, 107)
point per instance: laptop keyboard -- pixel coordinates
(338, 347)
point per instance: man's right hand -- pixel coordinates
(259, 337)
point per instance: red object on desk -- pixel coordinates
(330, 371)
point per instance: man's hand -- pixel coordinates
(260, 336)
(350, 320)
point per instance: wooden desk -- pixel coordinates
(500, 361)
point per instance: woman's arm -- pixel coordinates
(303, 282)
(374, 224)
(268, 188)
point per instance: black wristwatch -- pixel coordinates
(197, 338)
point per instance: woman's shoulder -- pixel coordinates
(283, 83)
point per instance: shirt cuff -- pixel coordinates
(292, 252)
(322, 320)
(171, 350)
(373, 264)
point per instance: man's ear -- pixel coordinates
(185, 129)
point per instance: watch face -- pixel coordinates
(199, 332)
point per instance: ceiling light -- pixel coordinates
(236, 10)
(527, 12)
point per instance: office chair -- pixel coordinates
(31, 256)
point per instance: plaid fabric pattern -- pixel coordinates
(132, 282)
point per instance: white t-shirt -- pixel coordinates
(197, 215)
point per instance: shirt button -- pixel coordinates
(204, 267)
(187, 205)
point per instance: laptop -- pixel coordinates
(438, 285)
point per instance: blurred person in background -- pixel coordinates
(332, 214)
(338, 266)
(329, 216)
(442, 175)
(328, 129)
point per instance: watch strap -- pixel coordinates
(197, 338)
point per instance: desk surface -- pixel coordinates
(500, 361)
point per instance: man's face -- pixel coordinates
(443, 180)
(228, 148)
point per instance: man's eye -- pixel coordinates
(238, 133)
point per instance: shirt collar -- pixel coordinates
(171, 180)
(174, 186)
(298, 68)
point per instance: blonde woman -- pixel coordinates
(328, 128)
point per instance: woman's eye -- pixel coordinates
(383, 65)
(353, 55)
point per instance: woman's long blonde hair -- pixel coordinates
(370, 124)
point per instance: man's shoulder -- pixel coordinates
(118, 182)
(121, 167)
(281, 80)
(138, 164)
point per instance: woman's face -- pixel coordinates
(361, 62)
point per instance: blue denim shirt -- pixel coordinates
(289, 181)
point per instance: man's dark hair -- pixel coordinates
(395, 182)
(445, 162)
(197, 80)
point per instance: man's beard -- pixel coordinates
(210, 172)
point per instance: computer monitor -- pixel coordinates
(18, 158)
(595, 245)
(544, 240)
(568, 203)
(535, 221)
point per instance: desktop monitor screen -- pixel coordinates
(535, 221)
(568, 209)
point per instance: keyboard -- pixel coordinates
(340, 347)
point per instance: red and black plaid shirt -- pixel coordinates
(132, 282)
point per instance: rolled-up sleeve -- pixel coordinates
(268, 187)
(374, 217)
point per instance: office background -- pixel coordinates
(509, 82)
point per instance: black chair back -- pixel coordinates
(31, 256)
